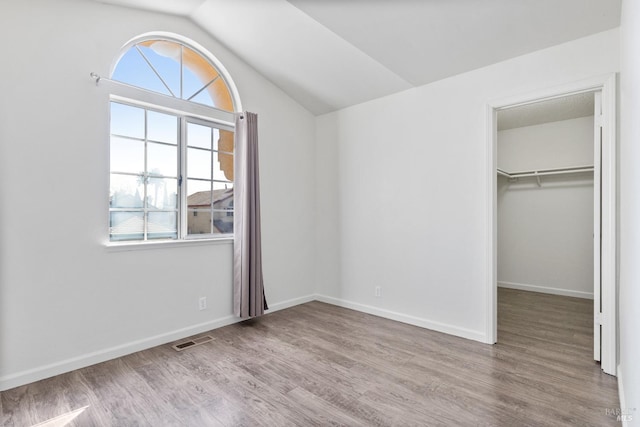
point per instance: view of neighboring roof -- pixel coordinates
(222, 199)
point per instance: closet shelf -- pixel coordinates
(544, 172)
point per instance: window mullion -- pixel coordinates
(154, 70)
(181, 67)
(182, 178)
(211, 157)
(203, 88)
(145, 214)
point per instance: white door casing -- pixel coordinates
(597, 233)
(606, 85)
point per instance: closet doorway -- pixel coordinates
(552, 159)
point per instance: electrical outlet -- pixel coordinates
(378, 291)
(202, 303)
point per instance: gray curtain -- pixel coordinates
(248, 287)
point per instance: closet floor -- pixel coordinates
(318, 364)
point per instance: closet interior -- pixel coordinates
(545, 202)
(546, 211)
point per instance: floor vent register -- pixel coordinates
(192, 342)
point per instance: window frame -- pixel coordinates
(182, 211)
(187, 112)
(144, 209)
(196, 47)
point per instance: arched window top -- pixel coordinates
(175, 67)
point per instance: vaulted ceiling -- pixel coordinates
(330, 54)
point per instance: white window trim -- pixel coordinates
(157, 101)
(135, 245)
(133, 95)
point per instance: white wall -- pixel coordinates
(328, 233)
(65, 299)
(565, 143)
(412, 196)
(629, 226)
(545, 233)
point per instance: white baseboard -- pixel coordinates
(25, 377)
(546, 290)
(624, 409)
(405, 318)
(290, 303)
(57, 368)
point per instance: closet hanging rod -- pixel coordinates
(543, 172)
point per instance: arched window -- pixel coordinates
(173, 68)
(171, 142)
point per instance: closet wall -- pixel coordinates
(545, 232)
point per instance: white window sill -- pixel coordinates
(163, 244)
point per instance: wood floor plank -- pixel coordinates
(18, 407)
(124, 398)
(316, 365)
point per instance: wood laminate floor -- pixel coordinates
(317, 364)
